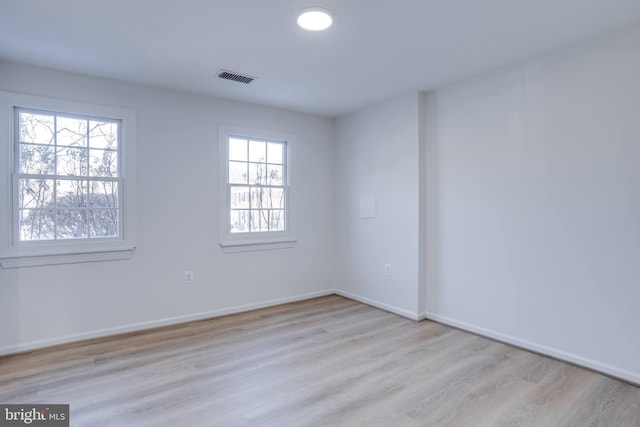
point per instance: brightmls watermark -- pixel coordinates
(34, 415)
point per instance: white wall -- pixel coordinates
(177, 136)
(534, 205)
(377, 154)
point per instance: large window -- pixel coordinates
(257, 189)
(67, 176)
(68, 169)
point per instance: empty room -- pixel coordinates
(320, 213)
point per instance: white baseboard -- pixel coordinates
(386, 307)
(628, 376)
(100, 333)
(625, 375)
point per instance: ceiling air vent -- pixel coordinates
(236, 77)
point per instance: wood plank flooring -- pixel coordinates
(324, 362)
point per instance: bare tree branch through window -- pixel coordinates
(68, 176)
(257, 190)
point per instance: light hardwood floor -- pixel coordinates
(322, 362)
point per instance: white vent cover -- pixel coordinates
(236, 77)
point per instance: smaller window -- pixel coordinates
(257, 190)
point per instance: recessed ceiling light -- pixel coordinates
(315, 18)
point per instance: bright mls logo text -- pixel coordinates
(40, 415)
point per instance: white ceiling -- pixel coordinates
(376, 48)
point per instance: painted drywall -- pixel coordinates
(533, 217)
(177, 137)
(377, 154)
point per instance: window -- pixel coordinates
(67, 176)
(257, 187)
(257, 190)
(69, 164)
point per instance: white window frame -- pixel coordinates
(16, 253)
(256, 241)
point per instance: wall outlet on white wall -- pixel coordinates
(387, 270)
(188, 277)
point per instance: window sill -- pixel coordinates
(39, 260)
(231, 248)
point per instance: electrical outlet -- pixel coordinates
(188, 276)
(387, 270)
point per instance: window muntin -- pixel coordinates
(68, 176)
(257, 188)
